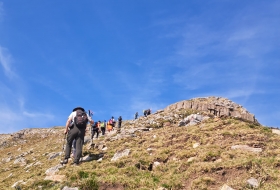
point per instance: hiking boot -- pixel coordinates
(65, 161)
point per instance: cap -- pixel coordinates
(79, 108)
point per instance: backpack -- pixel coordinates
(81, 119)
(94, 125)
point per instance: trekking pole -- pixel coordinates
(63, 144)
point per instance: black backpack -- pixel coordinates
(81, 119)
(94, 126)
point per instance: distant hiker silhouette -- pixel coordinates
(147, 112)
(95, 129)
(120, 122)
(136, 115)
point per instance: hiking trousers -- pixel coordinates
(103, 130)
(77, 134)
(93, 131)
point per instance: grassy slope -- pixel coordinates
(215, 162)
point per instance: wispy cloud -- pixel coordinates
(13, 101)
(38, 115)
(6, 63)
(11, 118)
(226, 55)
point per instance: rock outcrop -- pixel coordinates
(217, 106)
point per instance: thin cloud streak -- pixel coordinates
(38, 115)
(6, 62)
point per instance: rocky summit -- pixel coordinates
(201, 143)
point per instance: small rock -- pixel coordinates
(59, 178)
(53, 155)
(195, 145)
(253, 182)
(16, 183)
(191, 159)
(247, 148)
(53, 170)
(70, 188)
(226, 187)
(156, 164)
(20, 161)
(120, 154)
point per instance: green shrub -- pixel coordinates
(89, 184)
(83, 174)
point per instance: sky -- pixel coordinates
(116, 57)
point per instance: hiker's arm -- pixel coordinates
(67, 125)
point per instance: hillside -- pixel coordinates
(202, 143)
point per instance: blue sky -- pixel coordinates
(117, 57)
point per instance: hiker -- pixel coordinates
(136, 115)
(95, 129)
(119, 122)
(113, 122)
(76, 131)
(109, 126)
(145, 113)
(149, 112)
(103, 127)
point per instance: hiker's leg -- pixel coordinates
(79, 146)
(70, 137)
(97, 133)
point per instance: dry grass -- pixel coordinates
(214, 163)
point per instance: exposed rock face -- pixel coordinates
(216, 105)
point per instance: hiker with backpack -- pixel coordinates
(103, 127)
(79, 119)
(95, 129)
(147, 112)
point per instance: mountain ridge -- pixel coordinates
(174, 148)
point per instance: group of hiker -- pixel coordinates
(75, 130)
(145, 112)
(99, 126)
